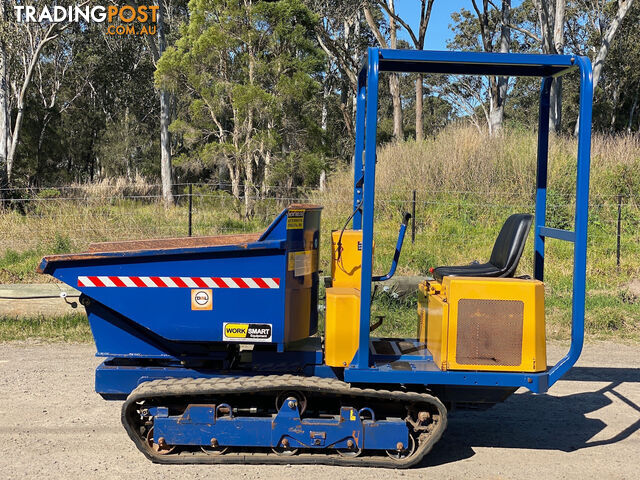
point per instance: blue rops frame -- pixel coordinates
(473, 63)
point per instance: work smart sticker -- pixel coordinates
(246, 332)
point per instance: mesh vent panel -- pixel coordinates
(489, 332)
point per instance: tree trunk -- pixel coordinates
(419, 109)
(555, 105)
(249, 201)
(11, 151)
(632, 112)
(616, 100)
(4, 105)
(234, 176)
(496, 111)
(394, 88)
(497, 85)
(325, 113)
(418, 42)
(166, 174)
(551, 18)
(555, 95)
(165, 119)
(394, 80)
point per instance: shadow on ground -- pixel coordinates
(539, 421)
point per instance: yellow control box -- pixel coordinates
(489, 324)
(342, 325)
(346, 258)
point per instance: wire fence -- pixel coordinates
(71, 217)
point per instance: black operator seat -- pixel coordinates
(504, 257)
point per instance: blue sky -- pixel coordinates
(438, 30)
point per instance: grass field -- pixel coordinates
(466, 186)
(68, 328)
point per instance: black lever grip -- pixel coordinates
(406, 218)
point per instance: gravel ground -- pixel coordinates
(52, 425)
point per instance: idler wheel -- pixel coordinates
(161, 448)
(351, 451)
(403, 452)
(299, 396)
(284, 449)
(214, 448)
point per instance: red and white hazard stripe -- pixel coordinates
(179, 282)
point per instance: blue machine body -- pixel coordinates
(132, 325)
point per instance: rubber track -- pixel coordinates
(186, 387)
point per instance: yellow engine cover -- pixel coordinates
(346, 263)
(342, 325)
(491, 324)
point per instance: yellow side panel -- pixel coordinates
(421, 335)
(433, 319)
(342, 325)
(495, 324)
(437, 325)
(346, 264)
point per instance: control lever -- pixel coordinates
(396, 255)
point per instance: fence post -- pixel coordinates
(413, 219)
(190, 206)
(618, 236)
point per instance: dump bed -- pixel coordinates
(142, 296)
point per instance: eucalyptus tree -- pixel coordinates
(248, 73)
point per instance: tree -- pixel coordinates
(487, 29)
(551, 17)
(25, 42)
(247, 73)
(166, 172)
(418, 43)
(394, 81)
(620, 75)
(497, 85)
(606, 21)
(343, 35)
(550, 21)
(4, 96)
(607, 34)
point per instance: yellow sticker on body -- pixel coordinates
(295, 220)
(235, 330)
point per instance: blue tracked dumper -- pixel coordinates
(213, 345)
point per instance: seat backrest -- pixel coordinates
(510, 243)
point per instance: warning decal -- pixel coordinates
(246, 332)
(201, 299)
(295, 220)
(303, 263)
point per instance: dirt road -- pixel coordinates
(52, 425)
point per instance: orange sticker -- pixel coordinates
(201, 299)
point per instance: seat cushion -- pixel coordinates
(473, 270)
